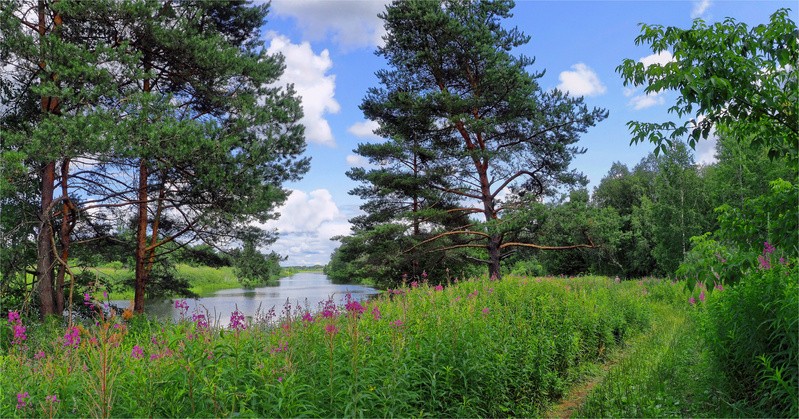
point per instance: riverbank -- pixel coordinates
(204, 280)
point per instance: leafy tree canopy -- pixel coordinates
(726, 74)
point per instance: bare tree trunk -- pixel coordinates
(494, 256)
(66, 229)
(141, 241)
(44, 246)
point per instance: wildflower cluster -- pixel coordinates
(72, 337)
(182, 306)
(237, 321)
(17, 327)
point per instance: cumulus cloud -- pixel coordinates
(364, 129)
(355, 160)
(640, 101)
(661, 58)
(581, 81)
(648, 100)
(700, 7)
(308, 72)
(349, 23)
(705, 151)
(306, 224)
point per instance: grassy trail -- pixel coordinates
(608, 386)
(664, 372)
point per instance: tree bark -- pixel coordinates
(494, 256)
(66, 229)
(44, 247)
(141, 240)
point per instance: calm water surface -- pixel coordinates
(304, 289)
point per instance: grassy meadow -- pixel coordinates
(480, 348)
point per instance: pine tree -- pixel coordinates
(453, 84)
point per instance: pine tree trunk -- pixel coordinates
(44, 248)
(141, 241)
(44, 241)
(66, 229)
(494, 257)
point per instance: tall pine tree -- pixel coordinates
(478, 112)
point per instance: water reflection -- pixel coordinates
(303, 289)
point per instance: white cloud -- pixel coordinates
(705, 151)
(306, 224)
(643, 101)
(646, 101)
(581, 82)
(350, 24)
(364, 129)
(355, 160)
(700, 7)
(307, 71)
(661, 58)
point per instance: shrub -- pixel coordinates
(753, 328)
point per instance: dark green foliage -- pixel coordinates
(753, 329)
(253, 267)
(204, 255)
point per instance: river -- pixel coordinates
(304, 289)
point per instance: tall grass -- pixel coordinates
(477, 348)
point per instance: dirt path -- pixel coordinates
(570, 403)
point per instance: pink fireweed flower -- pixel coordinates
(307, 317)
(424, 274)
(237, 321)
(783, 261)
(22, 400)
(767, 248)
(486, 311)
(182, 305)
(137, 352)
(200, 320)
(439, 287)
(19, 333)
(397, 323)
(72, 337)
(331, 329)
(692, 300)
(719, 286)
(765, 263)
(414, 284)
(376, 312)
(52, 399)
(702, 296)
(39, 355)
(355, 308)
(13, 317)
(473, 294)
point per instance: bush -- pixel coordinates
(753, 328)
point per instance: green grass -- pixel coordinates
(204, 280)
(666, 372)
(476, 348)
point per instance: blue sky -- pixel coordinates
(329, 48)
